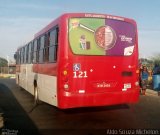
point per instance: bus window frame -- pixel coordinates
(55, 50)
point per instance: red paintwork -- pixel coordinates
(103, 72)
(99, 99)
(48, 69)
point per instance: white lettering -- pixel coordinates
(112, 132)
(95, 15)
(80, 74)
(103, 85)
(126, 132)
(103, 16)
(115, 18)
(125, 38)
(147, 132)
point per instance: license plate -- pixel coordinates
(127, 85)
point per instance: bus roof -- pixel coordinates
(87, 15)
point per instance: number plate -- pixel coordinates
(127, 85)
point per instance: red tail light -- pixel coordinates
(65, 79)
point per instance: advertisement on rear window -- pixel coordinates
(95, 36)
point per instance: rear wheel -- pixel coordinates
(18, 82)
(36, 98)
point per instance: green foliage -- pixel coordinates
(156, 59)
(147, 62)
(3, 62)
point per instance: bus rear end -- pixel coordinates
(101, 65)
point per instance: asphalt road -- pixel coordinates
(21, 117)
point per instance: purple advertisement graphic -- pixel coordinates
(125, 41)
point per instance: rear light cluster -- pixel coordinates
(138, 75)
(65, 79)
(137, 71)
(136, 83)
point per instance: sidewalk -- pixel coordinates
(12, 76)
(151, 92)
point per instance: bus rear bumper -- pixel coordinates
(69, 100)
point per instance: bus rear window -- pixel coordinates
(96, 36)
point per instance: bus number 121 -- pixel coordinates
(80, 74)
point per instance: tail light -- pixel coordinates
(138, 78)
(65, 75)
(137, 71)
(65, 79)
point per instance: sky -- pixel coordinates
(21, 19)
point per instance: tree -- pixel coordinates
(156, 59)
(147, 62)
(3, 62)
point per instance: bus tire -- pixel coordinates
(20, 88)
(18, 80)
(36, 98)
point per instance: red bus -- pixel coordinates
(82, 60)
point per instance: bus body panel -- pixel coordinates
(47, 84)
(100, 80)
(110, 81)
(70, 100)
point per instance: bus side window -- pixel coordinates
(29, 52)
(53, 45)
(22, 55)
(41, 49)
(27, 55)
(32, 51)
(35, 51)
(38, 48)
(17, 57)
(46, 49)
(56, 44)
